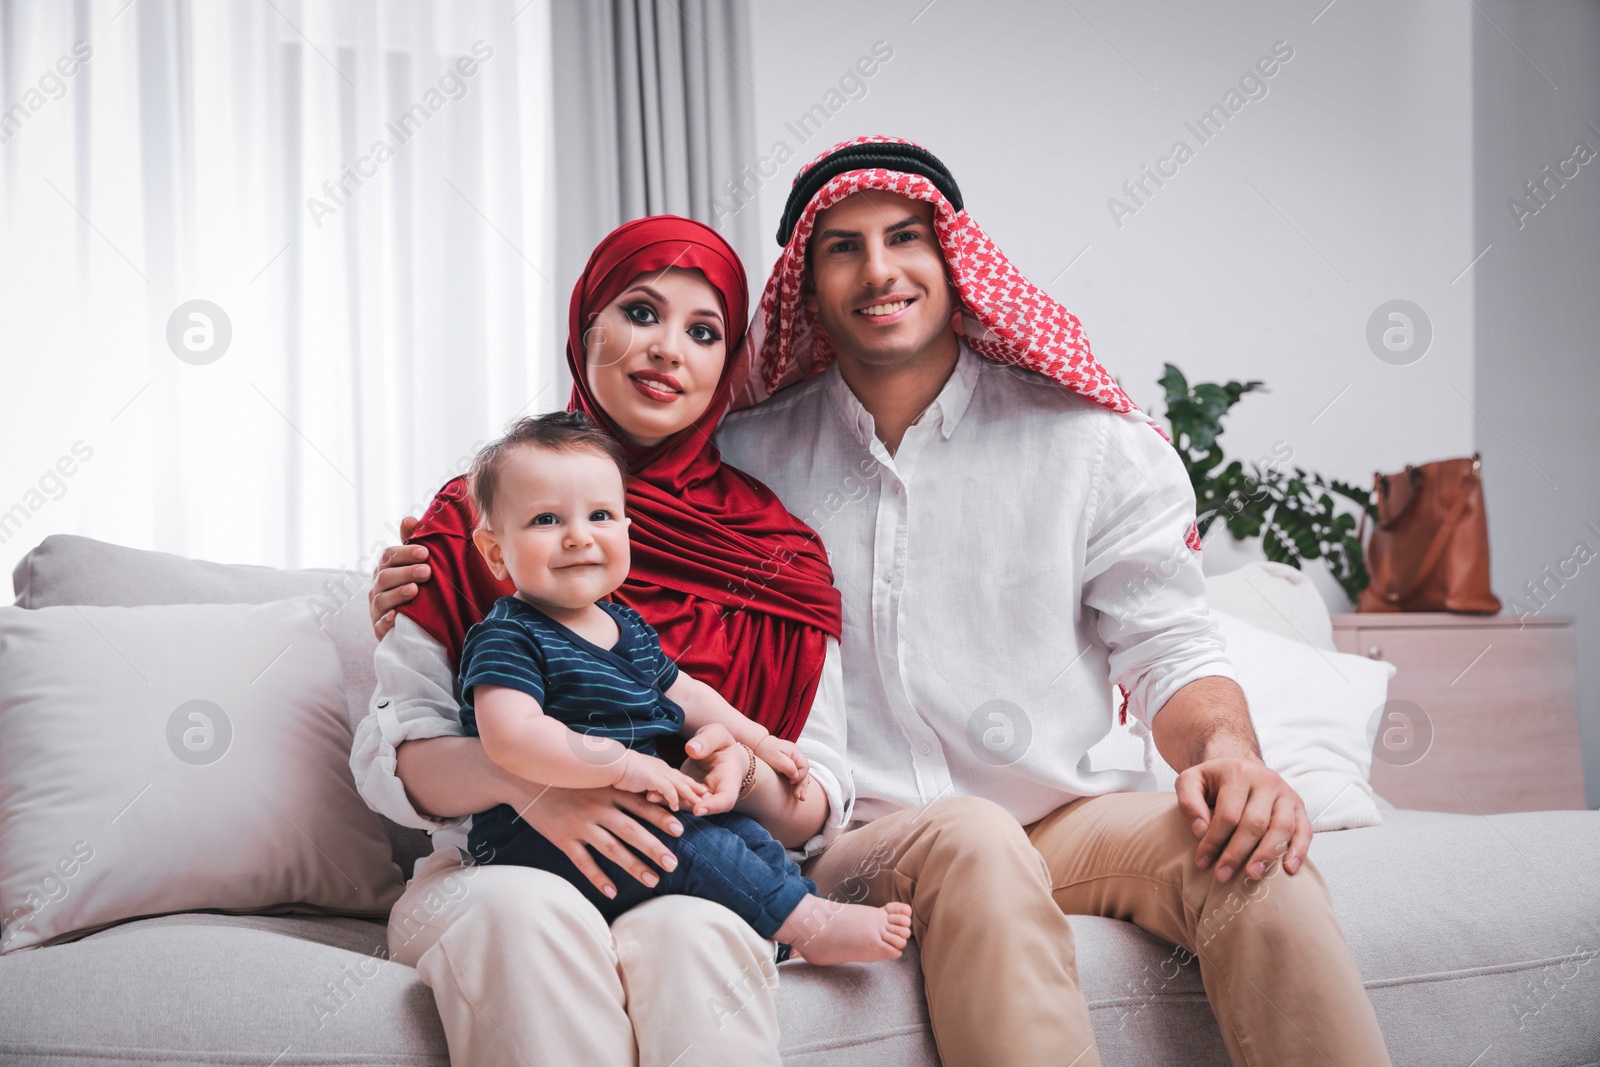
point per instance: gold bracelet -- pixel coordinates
(749, 782)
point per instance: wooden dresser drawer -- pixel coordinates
(1482, 714)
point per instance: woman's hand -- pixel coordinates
(607, 820)
(394, 579)
(719, 761)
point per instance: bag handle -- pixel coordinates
(1431, 558)
(1380, 488)
(1415, 478)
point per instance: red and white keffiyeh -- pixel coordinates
(1006, 318)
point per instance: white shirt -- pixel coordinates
(1021, 550)
(417, 697)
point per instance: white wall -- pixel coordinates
(1538, 319)
(1347, 185)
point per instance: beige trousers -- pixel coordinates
(525, 972)
(990, 900)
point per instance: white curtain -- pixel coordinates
(364, 189)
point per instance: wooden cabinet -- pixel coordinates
(1482, 714)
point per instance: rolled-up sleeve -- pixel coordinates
(1140, 575)
(414, 699)
(823, 740)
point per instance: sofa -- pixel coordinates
(1475, 935)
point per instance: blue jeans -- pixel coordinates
(728, 859)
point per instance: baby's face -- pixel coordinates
(558, 527)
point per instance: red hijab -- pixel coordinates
(739, 589)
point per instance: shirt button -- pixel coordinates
(898, 488)
(926, 748)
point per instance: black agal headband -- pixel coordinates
(877, 155)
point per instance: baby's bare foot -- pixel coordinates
(826, 932)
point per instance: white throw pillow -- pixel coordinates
(1314, 712)
(1278, 598)
(177, 758)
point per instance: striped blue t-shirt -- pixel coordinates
(617, 692)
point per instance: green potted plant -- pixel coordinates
(1292, 511)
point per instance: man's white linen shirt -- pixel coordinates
(1021, 551)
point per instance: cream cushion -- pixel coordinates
(177, 758)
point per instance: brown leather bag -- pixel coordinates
(1430, 549)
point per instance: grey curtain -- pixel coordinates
(654, 112)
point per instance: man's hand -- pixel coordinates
(1245, 816)
(718, 761)
(394, 578)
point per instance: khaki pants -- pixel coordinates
(997, 954)
(525, 973)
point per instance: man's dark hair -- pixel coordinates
(558, 431)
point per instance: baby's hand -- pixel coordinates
(659, 781)
(786, 758)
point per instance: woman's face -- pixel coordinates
(655, 353)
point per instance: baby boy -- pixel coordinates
(572, 691)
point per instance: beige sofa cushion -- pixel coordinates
(66, 569)
(173, 758)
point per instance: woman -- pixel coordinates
(742, 596)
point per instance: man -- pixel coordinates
(1005, 545)
(1009, 534)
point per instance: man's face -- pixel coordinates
(878, 282)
